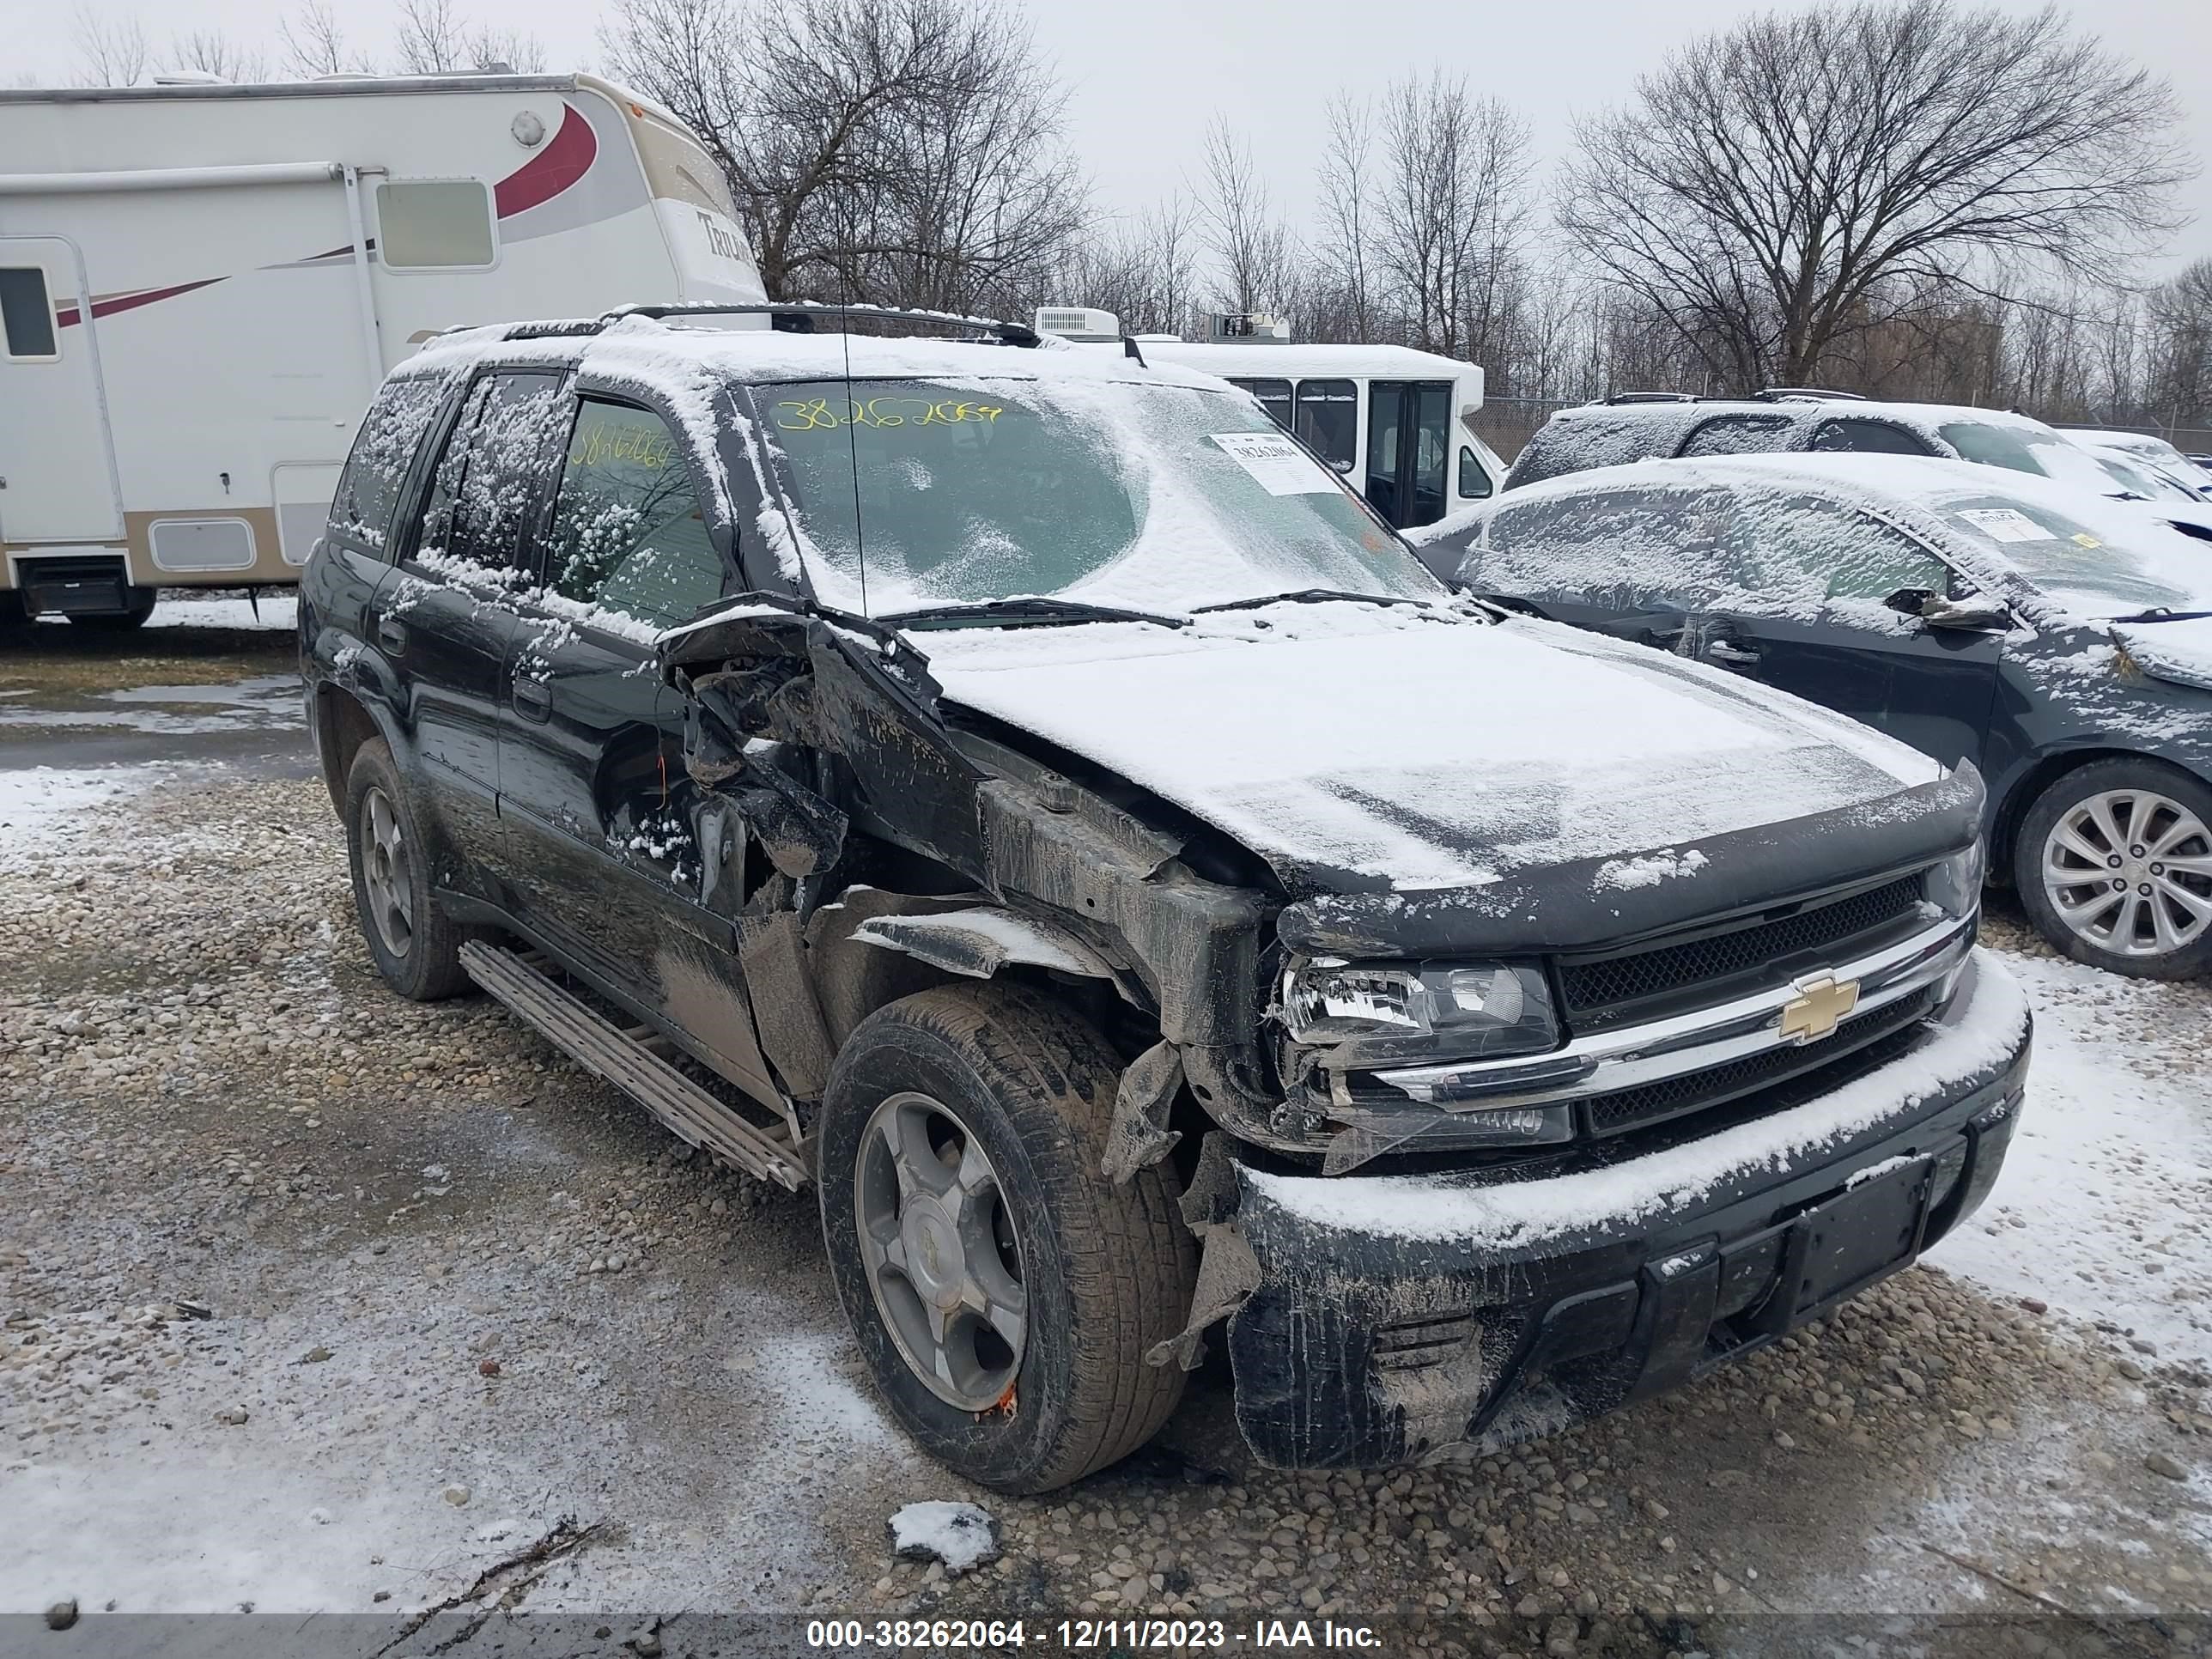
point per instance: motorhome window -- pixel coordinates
(490, 476)
(430, 224)
(1737, 434)
(1867, 438)
(1474, 483)
(1274, 396)
(25, 312)
(1328, 420)
(627, 533)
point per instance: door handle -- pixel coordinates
(1732, 656)
(392, 635)
(532, 699)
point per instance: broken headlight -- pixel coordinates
(1954, 886)
(1374, 1013)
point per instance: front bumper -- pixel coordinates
(1407, 1318)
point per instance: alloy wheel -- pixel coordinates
(386, 872)
(942, 1257)
(2130, 871)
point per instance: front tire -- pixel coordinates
(415, 946)
(2113, 862)
(1002, 1290)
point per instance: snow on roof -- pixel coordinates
(1265, 361)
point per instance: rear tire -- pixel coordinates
(2113, 862)
(1009, 1096)
(416, 947)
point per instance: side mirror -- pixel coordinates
(1344, 467)
(1974, 614)
(1910, 601)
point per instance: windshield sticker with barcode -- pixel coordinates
(2005, 523)
(1278, 465)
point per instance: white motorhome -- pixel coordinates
(202, 285)
(1398, 423)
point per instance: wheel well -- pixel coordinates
(342, 726)
(2031, 783)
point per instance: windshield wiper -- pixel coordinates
(1308, 596)
(1019, 613)
(2158, 613)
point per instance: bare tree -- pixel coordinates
(1345, 259)
(2180, 351)
(212, 52)
(1254, 248)
(1776, 188)
(111, 52)
(903, 151)
(1451, 212)
(314, 43)
(433, 37)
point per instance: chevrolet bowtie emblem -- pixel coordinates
(1821, 1004)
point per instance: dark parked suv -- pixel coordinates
(1022, 794)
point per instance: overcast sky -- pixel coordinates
(1145, 76)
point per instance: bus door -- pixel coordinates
(1408, 443)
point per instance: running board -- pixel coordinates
(625, 1061)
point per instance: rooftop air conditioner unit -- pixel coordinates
(1077, 323)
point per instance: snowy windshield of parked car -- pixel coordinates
(2106, 570)
(2028, 449)
(914, 494)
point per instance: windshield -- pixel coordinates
(2142, 480)
(2027, 449)
(1155, 497)
(2099, 571)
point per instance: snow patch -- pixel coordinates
(961, 1535)
(1647, 870)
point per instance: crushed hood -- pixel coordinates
(1364, 749)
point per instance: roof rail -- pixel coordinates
(798, 316)
(1653, 397)
(1775, 393)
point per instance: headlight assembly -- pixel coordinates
(1374, 1013)
(1954, 886)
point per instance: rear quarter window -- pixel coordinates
(383, 451)
(1577, 441)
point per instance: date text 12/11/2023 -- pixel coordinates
(1087, 1635)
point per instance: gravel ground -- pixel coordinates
(313, 1299)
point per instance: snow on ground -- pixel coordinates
(177, 609)
(38, 804)
(2101, 1208)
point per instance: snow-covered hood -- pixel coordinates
(1361, 750)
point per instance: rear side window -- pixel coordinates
(27, 314)
(430, 224)
(1617, 548)
(490, 476)
(1867, 438)
(1738, 434)
(383, 450)
(1328, 421)
(627, 533)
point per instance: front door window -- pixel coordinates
(628, 534)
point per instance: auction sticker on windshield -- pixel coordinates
(2005, 523)
(1279, 466)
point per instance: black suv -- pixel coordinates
(1023, 793)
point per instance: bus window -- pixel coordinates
(1328, 420)
(1274, 396)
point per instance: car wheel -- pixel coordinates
(1002, 1290)
(416, 947)
(141, 606)
(2114, 865)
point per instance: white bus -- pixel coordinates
(1398, 423)
(201, 285)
